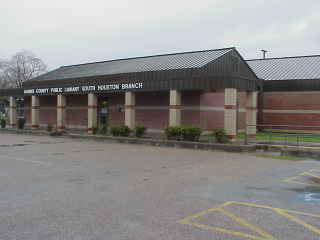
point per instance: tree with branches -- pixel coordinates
(21, 67)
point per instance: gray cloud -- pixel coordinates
(70, 32)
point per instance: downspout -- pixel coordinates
(260, 106)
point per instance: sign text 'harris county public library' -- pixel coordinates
(85, 89)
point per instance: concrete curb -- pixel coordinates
(302, 153)
(170, 143)
(145, 141)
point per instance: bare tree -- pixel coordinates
(4, 81)
(21, 67)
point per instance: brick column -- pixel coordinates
(251, 113)
(61, 112)
(175, 108)
(92, 111)
(230, 112)
(35, 108)
(12, 112)
(130, 112)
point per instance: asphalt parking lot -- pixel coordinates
(58, 188)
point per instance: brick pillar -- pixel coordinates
(251, 113)
(130, 112)
(175, 108)
(230, 112)
(92, 111)
(35, 108)
(12, 112)
(61, 112)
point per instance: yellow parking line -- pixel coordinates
(302, 183)
(305, 173)
(261, 235)
(244, 223)
(222, 230)
(186, 220)
(275, 209)
(312, 175)
(294, 219)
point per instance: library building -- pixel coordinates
(210, 89)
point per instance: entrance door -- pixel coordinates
(103, 111)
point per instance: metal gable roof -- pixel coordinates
(140, 64)
(288, 68)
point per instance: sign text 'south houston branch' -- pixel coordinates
(85, 89)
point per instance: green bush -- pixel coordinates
(173, 133)
(220, 135)
(3, 122)
(122, 130)
(49, 128)
(186, 133)
(103, 129)
(190, 133)
(94, 130)
(140, 130)
(21, 122)
(103, 119)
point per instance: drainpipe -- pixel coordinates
(261, 105)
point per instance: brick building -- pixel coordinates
(211, 89)
(291, 93)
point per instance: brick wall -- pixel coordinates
(48, 110)
(292, 108)
(76, 111)
(212, 110)
(152, 109)
(190, 113)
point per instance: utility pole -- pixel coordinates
(264, 53)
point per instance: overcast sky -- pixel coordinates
(64, 32)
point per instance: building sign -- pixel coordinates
(84, 89)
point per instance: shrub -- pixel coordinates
(103, 129)
(220, 135)
(49, 128)
(140, 130)
(3, 122)
(190, 133)
(173, 133)
(122, 130)
(21, 122)
(103, 119)
(94, 130)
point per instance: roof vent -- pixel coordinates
(263, 53)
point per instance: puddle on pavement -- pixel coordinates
(19, 145)
(304, 189)
(57, 153)
(50, 142)
(309, 194)
(14, 145)
(309, 197)
(257, 188)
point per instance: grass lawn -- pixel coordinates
(283, 157)
(290, 137)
